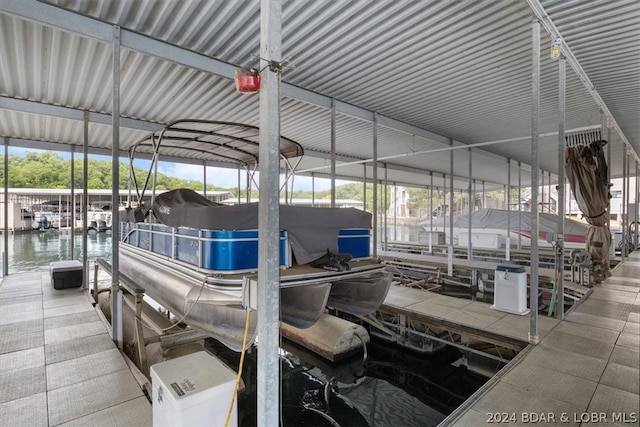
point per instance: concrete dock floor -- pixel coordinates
(584, 371)
(58, 364)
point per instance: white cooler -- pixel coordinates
(192, 390)
(510, 289)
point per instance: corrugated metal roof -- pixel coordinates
(461, 70)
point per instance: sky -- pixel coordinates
(220, 177)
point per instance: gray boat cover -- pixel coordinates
(499, 219)
(311, 230)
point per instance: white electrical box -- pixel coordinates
(192, 390)
(510, 289)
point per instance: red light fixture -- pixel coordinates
(247, 80)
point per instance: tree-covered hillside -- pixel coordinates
(50, 170)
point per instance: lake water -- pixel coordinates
(32, 251)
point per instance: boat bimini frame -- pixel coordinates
(213, 141)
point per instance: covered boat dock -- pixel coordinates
(436, 95)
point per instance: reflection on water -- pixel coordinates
(35, 250)
(399, 232)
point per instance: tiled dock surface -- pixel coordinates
(58, 364)
(585, 370)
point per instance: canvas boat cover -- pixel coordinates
(312, 231)
(499, 219)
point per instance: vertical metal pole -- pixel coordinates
(395, 210)
(535, 117)
(621, 211)
(374, 179)
(364, 187)
(204, 178)
(549, 191)
(609, 173)
(470, 249)
(484, 202)
(542, 188)
(239, 183)
(116, 294)
(249, 185)
(507, 241)
(333, 153)
(635, 200)
(313, 189)
(268, 390)
(430, 212)
(85, 202)
(519, 205)
(385, 208)
(286, 186)
(5, 226)
(451, 196)
(627, 218)
(451, 201)
(559, 280)
(625, 196)
(72, 233)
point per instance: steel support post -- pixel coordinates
(364, 187)
(625, 204)
(313, 189)
(535, 118)
(72, 204)
(621, 222)
(507, 243)
(374, 179)
(559, 280)
(85, 201)
(451, 196)
(470, 247)
(431, 212)
(609, 172)
(5, 226)
(239, 183)
(385, 208)
(333, 153)
(395, 211)
(451, 203)
(116, 294)
(268, 385)
(204, 178)
(519, 205)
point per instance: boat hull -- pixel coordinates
(360, 295)
(215, 310)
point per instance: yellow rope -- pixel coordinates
(235, 388)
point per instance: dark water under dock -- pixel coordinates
(392, 387)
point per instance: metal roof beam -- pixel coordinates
(94, 151)
(38, 108)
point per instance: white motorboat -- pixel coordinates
(491, 228)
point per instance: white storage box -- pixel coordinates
(437, 237)
(193, 390)
(510, 289)
(481, 240)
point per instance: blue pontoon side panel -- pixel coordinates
(355, 241)
(216, 250)
(223, 250)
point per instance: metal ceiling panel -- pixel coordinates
(459, 69)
